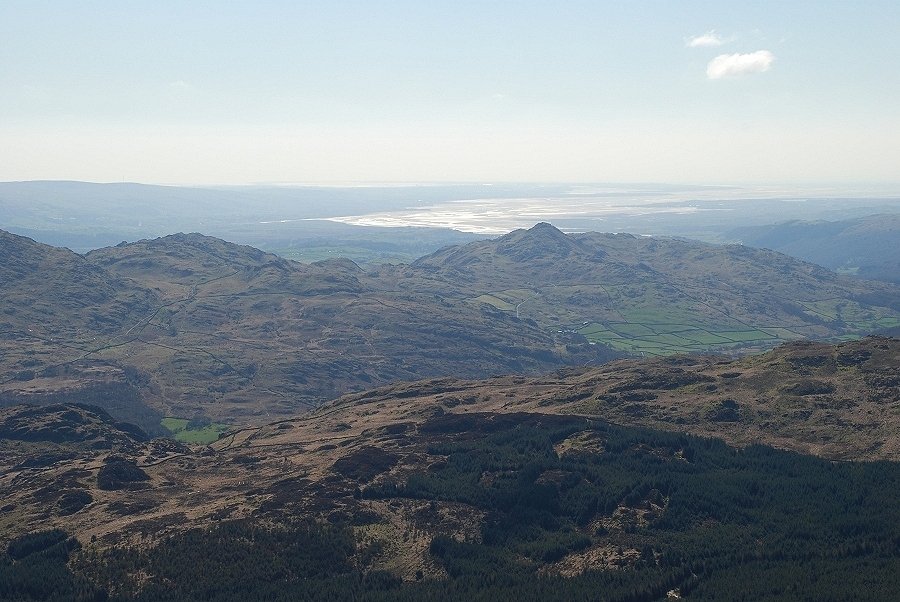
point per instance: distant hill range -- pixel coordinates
(195, 327)
(657, 296)
(189, 325)
(868, 247)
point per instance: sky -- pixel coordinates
(343, 91)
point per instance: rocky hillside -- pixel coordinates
(201, 327)
(191, 326)
(659, 296)
(839, 402)
(442, 485)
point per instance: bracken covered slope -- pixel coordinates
(442, 487)
(839, 402)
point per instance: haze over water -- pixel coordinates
(588, 207)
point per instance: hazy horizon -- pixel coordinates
(86, 215)
(478, 92)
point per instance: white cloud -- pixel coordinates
(736, 65)
(708, 39)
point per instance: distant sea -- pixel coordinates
(582, 208)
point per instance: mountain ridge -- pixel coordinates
(255, 333)
(865, 247)
(205, 328)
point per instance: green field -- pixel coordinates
(852, 314)
(647, 318)
(178, 427)
(667, 339)
(496, 302)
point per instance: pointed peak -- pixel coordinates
(546, 227)
(541, 240)
(539, 229)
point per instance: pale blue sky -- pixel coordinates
(239, 92)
